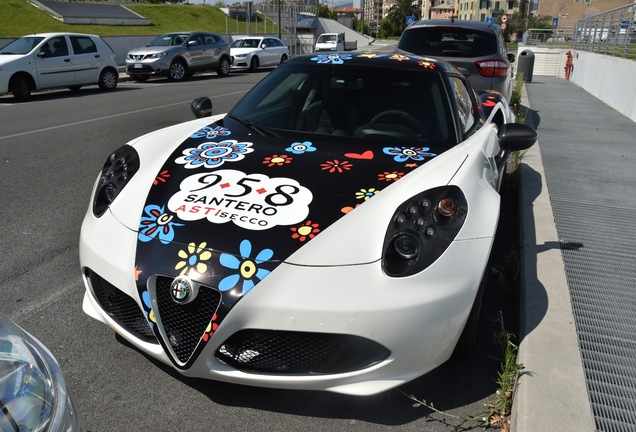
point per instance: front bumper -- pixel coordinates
(408, 325)
(148, 67)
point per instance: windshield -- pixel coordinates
(173, 39)
(246, 43)
(326, 38)
(448, 41)
(21, 46)
(350, 102)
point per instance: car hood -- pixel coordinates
(236, 51)
(151, 50)
(237, 197)
(8, 58)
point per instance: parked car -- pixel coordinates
(255, 52)
(49, 60)
(33, 392)
(331, 232)
(476, 48)
(179, 55)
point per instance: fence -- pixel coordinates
(612, 32)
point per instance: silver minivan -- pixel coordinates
(476, 48)
(179, 55)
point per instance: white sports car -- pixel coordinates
(331, 232)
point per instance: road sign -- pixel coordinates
(503, 26)
(410, 20)
(504, 18)
(490, 20)
(555, 22)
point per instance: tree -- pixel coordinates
(398, 13)
(323, 12)
(516, 24)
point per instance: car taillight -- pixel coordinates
(492, 68)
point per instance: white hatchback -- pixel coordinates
(254, 52)
(50, 60)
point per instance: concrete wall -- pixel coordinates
(610, 79)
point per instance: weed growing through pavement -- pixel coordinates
(497, 413)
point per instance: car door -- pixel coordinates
(86, 58)
(196, 52)
(54, 64)
(271, 51)
(213, 49)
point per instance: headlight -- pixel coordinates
(421, 230)
(240, 55)
(120, 167)
(33, 391)
(157, 55)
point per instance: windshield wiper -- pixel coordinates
(253, 126)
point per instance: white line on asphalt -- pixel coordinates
(109, 117)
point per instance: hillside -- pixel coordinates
(19, 17)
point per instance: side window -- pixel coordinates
(83, 45)
(465, 108)
(58, 46)
(211, 39)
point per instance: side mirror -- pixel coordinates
(192, 43)
(201, 107)
(263, 46)
(516, 136)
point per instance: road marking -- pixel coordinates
(111, 116)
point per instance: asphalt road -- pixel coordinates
(51, 150)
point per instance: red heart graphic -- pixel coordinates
(366, 155)
(489, 103)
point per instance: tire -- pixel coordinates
(254, 64)
(283, 58)
(178, 71)
(21, 88)
(224, 67)
(468, 339)
(108, 79)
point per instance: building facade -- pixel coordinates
(568, 12)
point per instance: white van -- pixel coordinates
(330, 42)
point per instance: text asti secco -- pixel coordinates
(251, 201)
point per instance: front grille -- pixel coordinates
(184, 324)
(284, 353)
(122, 308)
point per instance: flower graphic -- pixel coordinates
(248, 268)
(399, 57)
(210, 132)
(161, 178)
(305, 231)
(365, 194)
(278, 160)
(210, 329)
(301, 147)
(157, 223)
(193, 259)
(426, 64)
(402, 154)
(335, 58)
(335, 165)
(390, 176)
(150, 315)
(212, 155)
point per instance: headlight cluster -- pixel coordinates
(157, 55)
(421, 230)
(119, 168)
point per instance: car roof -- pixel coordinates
(382, 59)
(473, 25)
(45, 35)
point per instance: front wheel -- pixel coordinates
(177, 71)
(224, 67)
(108, 79)
(254, 64)
(283, 58)
(468, 339)
(21, 88)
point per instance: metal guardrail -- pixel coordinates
(612, 32)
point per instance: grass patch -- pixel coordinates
(18, 17)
